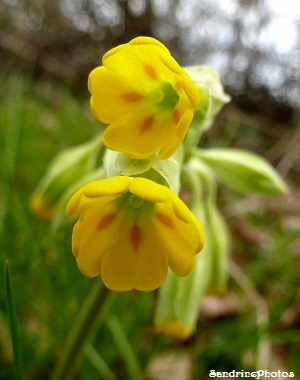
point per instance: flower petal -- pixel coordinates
(113, 95)
(141, 62)
(139, 136)
(93, 235)
(141, 49)
(136, 260)
(148, 41)
(174, 139)
(179, 233)
(110, 187)
(149, 190)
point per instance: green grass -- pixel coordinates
(37, 120)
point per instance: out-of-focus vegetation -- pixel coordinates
(47, 50)
(254, 44)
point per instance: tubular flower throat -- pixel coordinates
(130, 230)
(147, 99)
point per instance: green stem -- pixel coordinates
(99, 363)
(206, 175)
(13, 324)
(92, 314)
(133, 369)
(188, 177)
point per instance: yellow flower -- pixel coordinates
(147, 99)
(130, 230)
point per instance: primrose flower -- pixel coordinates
(130, 230)
(147, 99)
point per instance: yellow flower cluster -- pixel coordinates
(147, 99)
(131, 229)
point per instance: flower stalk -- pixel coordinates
(92, 314)
(10, 302)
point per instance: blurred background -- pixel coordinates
(47, 50)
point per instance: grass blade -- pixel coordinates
(126, 351)
(92, 313)
(98, 362)
(13, 324)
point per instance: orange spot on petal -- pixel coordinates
(178, 85)
(147, 124)
(150, 71)
(165, 220)
(105, 221)
(176, 116)
(136, 238)
(132, 97)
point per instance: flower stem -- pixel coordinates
(125, 349)
(92, 314)
(13, 324)
(98, 362)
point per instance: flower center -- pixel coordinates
(135, 201)
(170, 98)
(134, 207)
(164, 98)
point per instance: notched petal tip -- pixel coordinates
(85, 273)
(191, 90)
(115, 140)
(109, 186)
(72, 207)
(111, 52)
(149, 191)
(148, 41)
(85, 195)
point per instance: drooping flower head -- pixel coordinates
(130, 230)
(145, 97)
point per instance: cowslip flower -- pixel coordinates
(130, 230)
(145, 97)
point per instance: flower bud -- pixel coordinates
(179, 301)
(212, 95)
(217, 249)
(66, 168)
(243, 171)
(180, 298)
